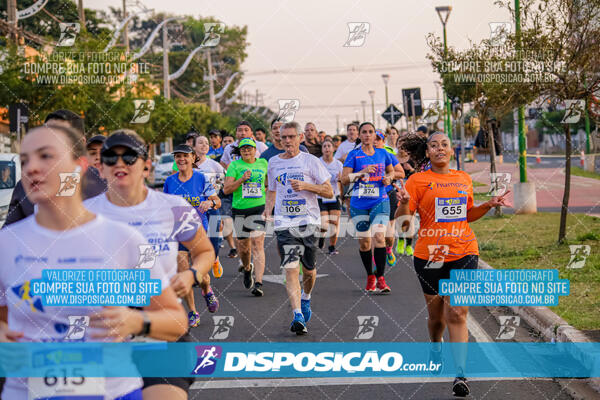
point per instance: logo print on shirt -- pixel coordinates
(207, 359)
(23, 291)
(147, 256)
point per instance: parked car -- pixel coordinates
(10, 174)
(163, 168)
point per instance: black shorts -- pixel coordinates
(336, 205)
(298, 244)
(430, 277)
(246, 220)
(393, 203)
(183, 383)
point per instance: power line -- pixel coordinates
(338, 70)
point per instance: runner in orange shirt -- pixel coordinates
(444, 199)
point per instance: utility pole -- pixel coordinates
(337, 124)
(12, 20)
(126, 28)
(211, 84)
(81, 14)
(363, 103)
(166, 87)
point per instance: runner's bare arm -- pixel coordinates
(348, 176)
(203, 255)
(479, 211)
(398, 172)
(232, 184)
(403, 200)
(269, 203)
(323, 190)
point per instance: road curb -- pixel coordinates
(554, 329)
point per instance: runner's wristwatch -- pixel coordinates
(196, 283)
(146, 325)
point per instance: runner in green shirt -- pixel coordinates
(246, 179)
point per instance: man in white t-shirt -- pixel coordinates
(295, 179)
(347, 145)
(242, 131)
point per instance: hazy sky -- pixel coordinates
(300, 35)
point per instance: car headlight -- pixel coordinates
(3, 212)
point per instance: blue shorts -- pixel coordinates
(378, 215)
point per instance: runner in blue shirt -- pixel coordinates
(371, 170)
(391, 192)
(193, 187)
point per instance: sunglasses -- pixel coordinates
(111, 158)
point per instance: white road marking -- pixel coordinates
(303, 382)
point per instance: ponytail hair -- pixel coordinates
(415, 146)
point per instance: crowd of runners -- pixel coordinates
(226, 191)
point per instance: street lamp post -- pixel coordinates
(363, 103)
(386, 79)
(372, 94)
(444, 14)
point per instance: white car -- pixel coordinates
(10, 174)
(163, 169)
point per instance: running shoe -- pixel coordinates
(460, 388)
(217, 269)
(371, 283)
(321, 242)
(232, 253)
(333, 251)
(193, 319)
(391, 259)
(211, 302)
(381, 285)
(248, 276)
(299, 324)
(257, 289)
(306, 311)
(409, 250)
(400, 246)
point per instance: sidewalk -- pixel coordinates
(549, 184)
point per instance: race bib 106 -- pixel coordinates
(450, 209)
(251, 190)
(293, 208)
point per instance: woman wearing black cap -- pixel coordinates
(164, 220)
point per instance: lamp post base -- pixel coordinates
(525, 201)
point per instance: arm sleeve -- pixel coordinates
(470, 198)
(392, 158)
(166, 186)
(231, 171)
(411, 188)
(270, 178)
(321, 174)
(350, 161)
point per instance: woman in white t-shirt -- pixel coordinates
(331, 208)
(163, 219)
(63, 234)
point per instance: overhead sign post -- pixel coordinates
(413, 104)
(392, 114)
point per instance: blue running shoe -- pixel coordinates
(306, 311)
(299, 324)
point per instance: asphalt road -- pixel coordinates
(338, 299)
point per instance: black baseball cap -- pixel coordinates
(125, 140)
(214, 132)
(96, 139)
(191, 135)
(183, 148)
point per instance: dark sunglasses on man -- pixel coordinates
(111, 157)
